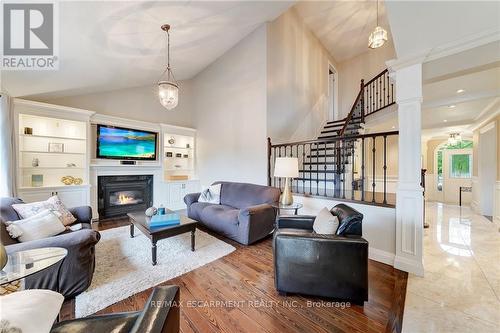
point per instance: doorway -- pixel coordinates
(333, 110)
(453, 163)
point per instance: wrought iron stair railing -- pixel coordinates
(334, 165)
(345, 168)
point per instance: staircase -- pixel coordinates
(333, 165)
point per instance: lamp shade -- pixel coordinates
(286, 167)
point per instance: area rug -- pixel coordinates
(123, 265)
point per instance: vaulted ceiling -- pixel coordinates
(111, 45)
(343, 26)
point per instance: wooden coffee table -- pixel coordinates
(141, 221)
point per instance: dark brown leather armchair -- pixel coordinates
(334, 266)
(160, 315)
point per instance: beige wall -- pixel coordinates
(230, 114)
(431, 149)
(498, 147)
(391, 157)
(365, 66)
(139, 103)
(297, 80)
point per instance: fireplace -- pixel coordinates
(118, 195)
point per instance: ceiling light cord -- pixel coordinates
(377, 13)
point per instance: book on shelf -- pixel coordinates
(166, 220)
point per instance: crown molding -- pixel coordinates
(444, 50)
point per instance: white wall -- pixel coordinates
(139, 103)
(365, 66)
(230, 114)
(298, 91)
(379, 225)
(487, 169)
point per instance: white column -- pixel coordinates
(409, 194)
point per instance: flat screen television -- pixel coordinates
(125, 143)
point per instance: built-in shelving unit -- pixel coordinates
(52, 142)
(56, 148)
(178, 156)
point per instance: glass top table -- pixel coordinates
(24, 263)
(294, 206)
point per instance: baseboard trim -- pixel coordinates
(381, 256)
(408, 265)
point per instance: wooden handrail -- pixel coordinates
(379, 93)
(353, 108)
(377, 76)
(332, 140)
(337, 167)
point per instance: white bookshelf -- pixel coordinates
(36, 158)
(178, 157)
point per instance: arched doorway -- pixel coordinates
(453, 165)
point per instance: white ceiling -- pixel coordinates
(421, 26)
(113, 45)
(479, 100)
(343, 26)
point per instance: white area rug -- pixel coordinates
(123, 265)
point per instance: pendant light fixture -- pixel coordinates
(378, 37)
(168, 89)
(454, 139)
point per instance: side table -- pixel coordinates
(295, 207)
(24, 263)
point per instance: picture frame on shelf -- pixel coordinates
(178, 155)
(168, 154)
(28, 131)
(185, 156)
(55, 147)
(37, 180)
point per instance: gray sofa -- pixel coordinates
(244, 214)
(73, 274)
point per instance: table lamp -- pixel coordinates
(286, 167)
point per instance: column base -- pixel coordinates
(408, 265)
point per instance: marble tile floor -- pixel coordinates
(460, 291)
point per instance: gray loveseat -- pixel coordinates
(244, 214)
(73, 274)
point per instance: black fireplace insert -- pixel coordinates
(119, 195)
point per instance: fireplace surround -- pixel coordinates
(119, 195)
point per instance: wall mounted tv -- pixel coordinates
(125, 143)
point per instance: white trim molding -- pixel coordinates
(409, 196)
(381, 256)
(497, 202)
(445, 50)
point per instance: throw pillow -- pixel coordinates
(53, 203)
(325, 223)
(211, 194)
(31, 311)
(42, 225)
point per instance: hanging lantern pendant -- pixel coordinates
(378, 37)
(168, 90)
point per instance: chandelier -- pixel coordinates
(454, 139)
(168, 89)
(378, 37)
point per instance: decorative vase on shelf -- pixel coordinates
(35, 162)
(3, 256)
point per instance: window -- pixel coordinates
(440, 170)
(460, 165)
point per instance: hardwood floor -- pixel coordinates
(246, 278)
